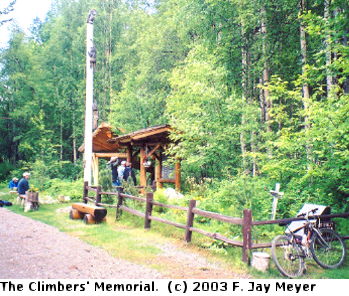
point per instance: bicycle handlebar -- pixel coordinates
(307, 213)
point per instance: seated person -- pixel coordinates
(23, 185)
(13, 184)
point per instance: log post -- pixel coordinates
(178, 176)
(158, 171)
(85, 192)
(143, 173)
(129, 153)
(119, 204)
(98, 195)
(148, 210)
(246, 234)
(190, 220)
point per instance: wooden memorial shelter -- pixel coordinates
(144, 148)
(102, 149)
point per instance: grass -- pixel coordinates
(126, 239)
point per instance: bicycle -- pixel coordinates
(324, 245)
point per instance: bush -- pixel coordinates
(5, 171)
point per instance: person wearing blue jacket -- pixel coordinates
(23, 185)
(13, 184)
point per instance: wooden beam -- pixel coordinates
(154, 149)
(151, 133)
(111, 154)
(158, 173)
(95, 169)
(167, 181)
(143, 173)
(178, 176)
(129, 153)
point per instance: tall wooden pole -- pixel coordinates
(90, 63)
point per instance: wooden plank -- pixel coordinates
(90, 199)
(156, 203)
(217, 236)
(261, 246)
(132, 211)
(178, 225)
(218, 217)
(151, 133)
(91, 188)
(107, 205)
(289, 220)
(110, 154)
(109, 193)
(133, 197)
(167, 181)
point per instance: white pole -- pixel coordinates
(89, 96)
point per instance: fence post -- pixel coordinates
(246, 234)
(98, 195)
(148, 209)
(190, 220)
(85, 192)
(119, 204)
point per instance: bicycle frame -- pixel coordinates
(309, 230)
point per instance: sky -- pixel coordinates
(24, 13)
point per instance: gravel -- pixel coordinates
(31, 249)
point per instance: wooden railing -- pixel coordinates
(246, 221)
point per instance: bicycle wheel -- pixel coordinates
(328, 249)
(287, 256)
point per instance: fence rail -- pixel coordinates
(245, 222)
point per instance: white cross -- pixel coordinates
(276, 194)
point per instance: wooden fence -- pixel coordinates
(246, 222)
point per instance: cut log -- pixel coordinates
(75, 214)
(88, 219)
(98, 213)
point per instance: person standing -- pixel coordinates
(121, 170)
(128, 172)
(114, 171)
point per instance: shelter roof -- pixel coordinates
(100, 138)
(154, 134)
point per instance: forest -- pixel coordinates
(258, 90)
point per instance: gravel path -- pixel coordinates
(31, 249)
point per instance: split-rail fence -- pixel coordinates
(246, 222)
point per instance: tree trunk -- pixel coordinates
(243, 115)
(74, 138)
(267, 101)
(329, 77)
(306, 93)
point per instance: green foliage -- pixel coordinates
(5, 170)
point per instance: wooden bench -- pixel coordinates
(91, 214)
